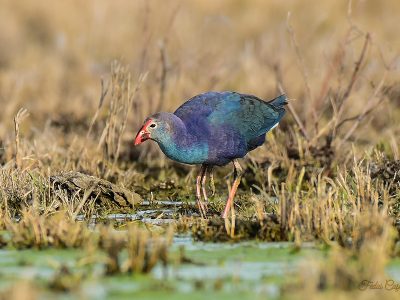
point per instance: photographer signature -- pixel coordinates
(388, 285)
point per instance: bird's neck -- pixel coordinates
(182, 146)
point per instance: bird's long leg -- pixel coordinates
(200, 204)
(204, 186)
(237, 176)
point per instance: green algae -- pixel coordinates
(235, 271)
(245, 270)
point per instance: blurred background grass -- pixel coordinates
(54, 53)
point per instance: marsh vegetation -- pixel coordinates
(85, 214)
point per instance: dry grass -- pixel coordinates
(76, 81)
(21, 290)
(346, 270)
(319, 208)
(144, 248)
(53, 63)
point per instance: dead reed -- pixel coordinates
(329, 173)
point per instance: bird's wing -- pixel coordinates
(246, 114)
(250, 115)
(195, 112)
(200, 106)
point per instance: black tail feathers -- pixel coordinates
(279, 101)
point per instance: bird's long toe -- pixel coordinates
(202, 208)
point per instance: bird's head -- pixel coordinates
(156, 127)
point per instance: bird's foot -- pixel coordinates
(203, 184)
(204, 189)
(199, 188)
(202, 208)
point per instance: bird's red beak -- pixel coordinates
(143, 133)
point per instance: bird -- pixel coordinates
(213, 129)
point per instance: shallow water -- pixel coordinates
(246, 270)
(243, 269)
(155, 212)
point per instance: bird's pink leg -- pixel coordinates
(209, 171)
(237, 176)
(200, 204)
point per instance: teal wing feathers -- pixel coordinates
(247, 114)
(229, 123)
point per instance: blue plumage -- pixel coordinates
(212, 129)
(215, 127)
(231, 124)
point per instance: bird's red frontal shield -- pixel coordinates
(143, 133)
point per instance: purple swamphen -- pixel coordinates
(213, 129)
